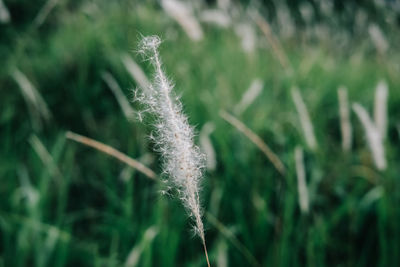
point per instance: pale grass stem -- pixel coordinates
(255, 139)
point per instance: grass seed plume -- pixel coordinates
(183, 161)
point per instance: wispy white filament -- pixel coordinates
(380, 108)
(344, 112)
(305, 120)
(374, 138)
(301, 180)
(183, 162)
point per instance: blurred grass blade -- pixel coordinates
(272, 40)
(112, 152)
(222, 254)
(255, 139)
(147, 239)
(119, 95)
(232, 239)
(372, 196)
(305, 120)
(4, 13)
(45, 157)
(182, 13)
(247, 34)
(374, 138)
(301, 181)
(44, 12)
(207, 147)
(32, 97)
(344, 114)
(135, 71)
(380, 108)
(378, 38)
(249, 96)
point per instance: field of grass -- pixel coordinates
(64, 204)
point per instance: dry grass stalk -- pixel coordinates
(272, 40)
(301, 181)
(119, 95)
(344, 114)
(374, 138)
(112, 152)
(256, 140)
(305, 120)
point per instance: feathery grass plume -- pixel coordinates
(182, 13)
(183, 161)
(135, 71)
(247, 34)
(249, 96)
(38, 109)
(344, 114)
(207, 147)
(305, 120)
(378, 38)
(256, 140)
(374, 138)
(4, 13)
(217, 17)
(119, 95)
(380, 108)
(301, 180)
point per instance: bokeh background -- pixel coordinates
(71, 66)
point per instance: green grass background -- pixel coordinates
(88, 216)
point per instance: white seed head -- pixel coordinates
(183, 163)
